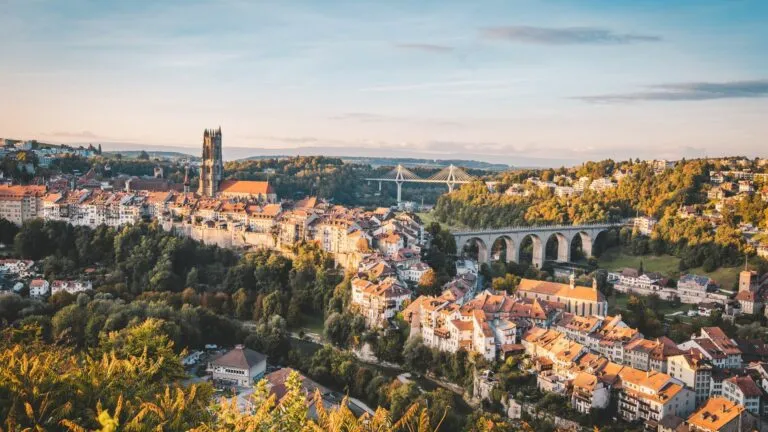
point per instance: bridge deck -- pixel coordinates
(523, 228)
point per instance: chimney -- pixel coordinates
(594, 283)
(573, 281)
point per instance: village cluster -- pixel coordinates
(574, 346)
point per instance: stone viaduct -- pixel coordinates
(513, 238)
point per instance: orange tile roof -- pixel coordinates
(561, 290)
(650, 379)
(246, 187)
(715, 414)
(585, 380)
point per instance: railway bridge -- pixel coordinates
(513, 238)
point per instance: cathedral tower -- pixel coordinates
(212, 167)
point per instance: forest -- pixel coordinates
(642, 192)
(157, 296)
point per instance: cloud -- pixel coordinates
(564, 35)
(363, 117)
(693, 91)
(65, 134)
(443, 85)
(425, 47)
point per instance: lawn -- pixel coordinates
(313, 323)
(619, 301)
(616, 259)
(429, 217)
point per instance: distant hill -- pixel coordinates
(407, 162)
(171, 155)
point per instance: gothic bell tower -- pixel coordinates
(212, 168)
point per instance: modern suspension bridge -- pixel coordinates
(450, 176)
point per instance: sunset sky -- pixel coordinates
(554, 81)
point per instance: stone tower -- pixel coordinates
(212, 167)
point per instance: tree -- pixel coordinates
(428, 284)
(508, 283)
(416, 356)
(8, 231)
(143, 155)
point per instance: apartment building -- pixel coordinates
(589, 393)
(694, 370)
(743, 390)
(718, 414)
(378, 302)
(21, 203)
(648, 397)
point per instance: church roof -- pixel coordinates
(246, 187)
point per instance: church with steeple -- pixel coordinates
(212, 167)
(212, 171)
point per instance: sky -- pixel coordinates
(511, 81)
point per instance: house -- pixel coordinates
(687, 212)
(602, 184)
(631, 280)
(694, 289)
(718, 415)
(716, 193)
(72, 287)
(744, 391)
(588, 393)
(647, 354)
(644, 225)
(39, 288)
(390, 244)
(238, 367)
(714, 353)
(413, 272)
(276, 386)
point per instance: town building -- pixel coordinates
(722, 351)
(694, 370)
(578, 300)
(644, 225)
(21, 203)
(239, 367)
(70, 286)
(744, 391)
(39, 288)
(378, 302)
(694, 289)
(648, 397)
(718, 415)
(633, 281)
(589, 393)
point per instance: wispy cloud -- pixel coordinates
(442, 85)
(564, 35)
(69, 134)
(693, 91)
(425, 47)
(363, 117)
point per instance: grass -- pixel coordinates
(617, 259)
(313, 323)
(619, 301)
(429, 217)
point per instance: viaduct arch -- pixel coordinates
(513, 238)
